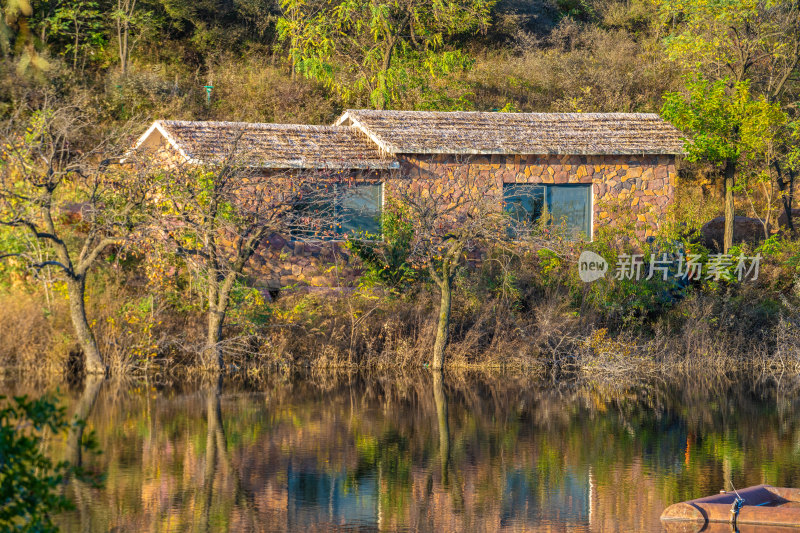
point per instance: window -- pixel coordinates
(524, 203)
(331, 212)
(358, 209)
(568, 206)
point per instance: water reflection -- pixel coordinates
(424, 453)
(78, 490)
(440, 399)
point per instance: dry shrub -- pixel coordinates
(787, 341)
(31, 337)
(494, 335)
(582, 68)
(340, 329)
(538, 326)
(253, 89)
(133, 332)
(138, 332)
(704, 334)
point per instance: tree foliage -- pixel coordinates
(713, 117)
(215, 217)
(757, 40)
(387, 256)
(69, 200)
(379, 48)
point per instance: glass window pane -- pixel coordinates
(569, 207)
(358, 209)
(312, 217)
(523, 202)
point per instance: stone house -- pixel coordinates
(586, 170)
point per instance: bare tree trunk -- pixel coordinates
(125, 11)
(219, 299)
(75, 52)
(124, 51)
(443, 327)
(92, 360)
(213, 351)
(730, 173)
(787, 194)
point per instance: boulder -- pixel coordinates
(276, 241)
(745, 229)
(783, 221)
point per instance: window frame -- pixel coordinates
(547, 201)
(341, 236)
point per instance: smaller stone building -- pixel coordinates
(584, 170)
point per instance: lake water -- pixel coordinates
(416, 453)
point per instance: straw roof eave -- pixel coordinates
(272, 146)
(482, 133)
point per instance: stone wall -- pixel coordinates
(629, 191)
(626, 190)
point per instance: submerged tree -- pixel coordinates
(379, 48)
(70, 199)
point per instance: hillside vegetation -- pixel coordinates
(80, 79)
(146, 59)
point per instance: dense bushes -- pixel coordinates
(524, 309)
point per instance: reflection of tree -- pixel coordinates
(81, 494)
(216, 452)
(442, 417)
(510, 451)
(440, 398)
(215, 439)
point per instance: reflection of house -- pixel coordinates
(583, 169)
(319, 501)
(530, 499)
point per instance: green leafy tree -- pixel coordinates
(387, 256)
(757, 40)
(765, 134)
(786, 174)
(131, 23)
(727, 127)
(77, 29)
(378, 47)
(712, 116)
(753, 41)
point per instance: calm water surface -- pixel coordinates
(416, 453)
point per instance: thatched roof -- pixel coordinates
(269, 145)
(462, 132)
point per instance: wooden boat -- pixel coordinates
(761, 505)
